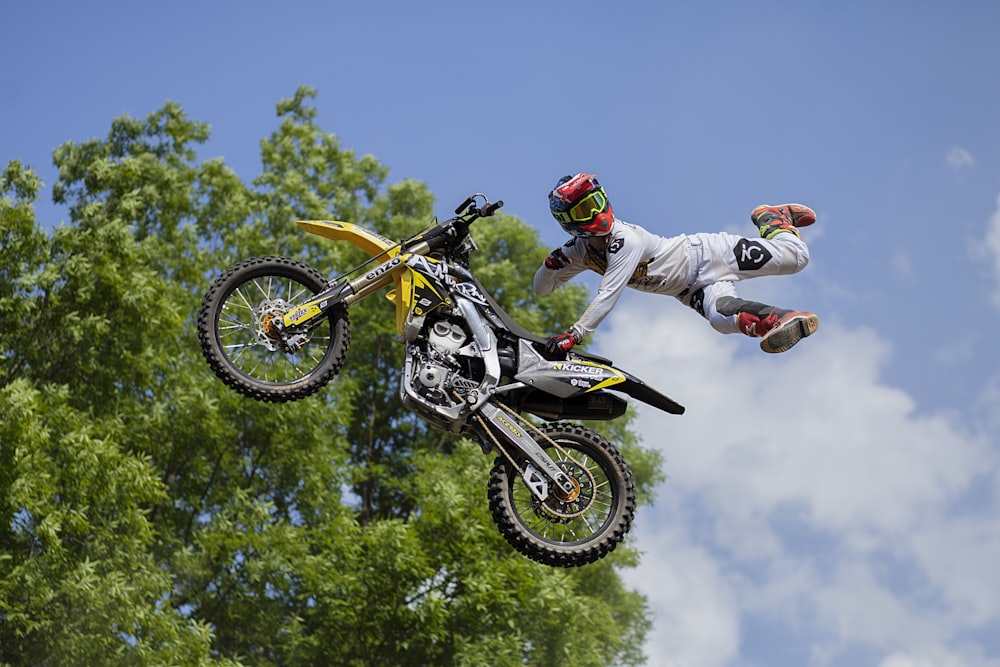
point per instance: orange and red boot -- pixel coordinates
(778, 332)
(772, 220)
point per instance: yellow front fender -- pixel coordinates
(374, 244)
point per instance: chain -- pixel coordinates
(496, 443)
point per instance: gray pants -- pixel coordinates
(721, 259)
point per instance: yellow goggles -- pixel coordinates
(585, 209)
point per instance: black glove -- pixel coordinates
(556, 260)
(561, 343)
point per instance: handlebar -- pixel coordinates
(464, 205)
(491, 209)
(470, 208)
(452, 231)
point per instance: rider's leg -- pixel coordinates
(779, 329)
(727, 258)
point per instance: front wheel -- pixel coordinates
(245, 349)
(567, 530)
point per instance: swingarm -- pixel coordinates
(542, 468)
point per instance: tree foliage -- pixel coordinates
(150, 516)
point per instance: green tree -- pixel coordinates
(148, 515)
(79, 582)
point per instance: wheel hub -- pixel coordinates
(567, 497)
(268, 315)
(269, 327)
(561, 506)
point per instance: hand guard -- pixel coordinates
(556, 260)
(561, 343)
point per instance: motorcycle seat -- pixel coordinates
(539, 341)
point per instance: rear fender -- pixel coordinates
(638, 389)
(575, 377)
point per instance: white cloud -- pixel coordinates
(958, 158)
(992, 250)
(933, 658)
(968, 578)
(902, 266)
(805, 492)
(857, 607)
(694, 611)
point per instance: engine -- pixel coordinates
(439, 366)
(443, 371)
(454, 361)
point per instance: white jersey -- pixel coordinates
(633, 258)
(697, 269)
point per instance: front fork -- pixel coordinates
(287, 326)
(292, 328)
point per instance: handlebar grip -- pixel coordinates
(465, 204)
(491, 209)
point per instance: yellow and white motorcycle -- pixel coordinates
(275, 329)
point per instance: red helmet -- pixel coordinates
(581, 206)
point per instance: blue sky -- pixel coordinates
(837, 505)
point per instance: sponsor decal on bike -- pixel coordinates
(300, 314)
(510, 427)
(471, 292)
(425, 295)
(375, 235)
(599, 376)
(429, 267)
(361, 231)
(579, 368)
(388, 266)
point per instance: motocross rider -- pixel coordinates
(698, 269)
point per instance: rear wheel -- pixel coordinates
(567, 530)
(236, 327)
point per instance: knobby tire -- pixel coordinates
(548, 538)
(230, 321)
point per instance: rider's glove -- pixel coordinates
(556, 260)
(561, 343)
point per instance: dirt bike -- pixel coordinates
(275, 329)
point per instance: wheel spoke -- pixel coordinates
(255, 353)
